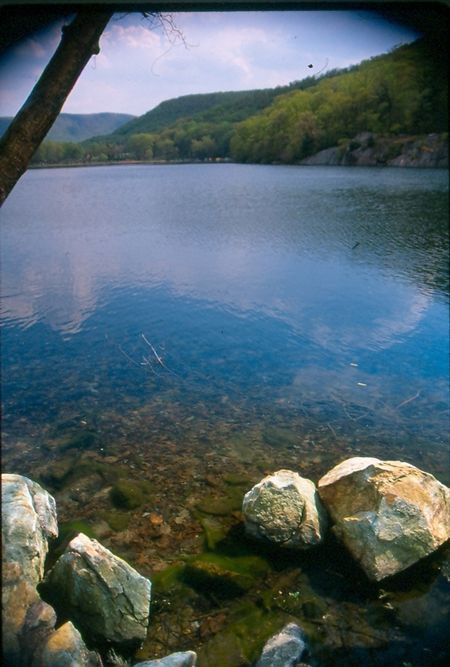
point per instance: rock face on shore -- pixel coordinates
(389, 514)
(103, 595)
(371, 150)
(28, 623)
(28, 519)
(285, 509)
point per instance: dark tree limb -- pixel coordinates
(79, 41)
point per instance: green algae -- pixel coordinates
(80, 441)
(116, 519)
(129, 493)
(234, 479)
(280, 437)
(222, 505)
(241, 642)
(165, 581)
(217, 575)
(58, 472)
(214, 531)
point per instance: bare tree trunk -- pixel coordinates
(80, 40)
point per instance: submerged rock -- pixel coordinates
(285, 649)
(224, 576)
(181, 659)
(127, 494)
(103, 595)
(285, 509)
(389, 514)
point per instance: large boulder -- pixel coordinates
(284, 649)
(285, 509)
(104, 596)
(28, 520)
(389, 514)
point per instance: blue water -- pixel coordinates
(222, 318)
(254, 284)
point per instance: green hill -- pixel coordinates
(401, 93)
(78, 127)
(235, 105)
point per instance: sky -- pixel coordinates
(140, 65)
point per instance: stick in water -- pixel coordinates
(408, 400)
(158, 358)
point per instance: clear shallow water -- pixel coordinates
(292, 317)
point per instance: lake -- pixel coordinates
(191, 328)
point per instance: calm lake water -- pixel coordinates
(195, 327)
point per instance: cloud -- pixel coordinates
(140, 64)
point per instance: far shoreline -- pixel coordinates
(159, 163)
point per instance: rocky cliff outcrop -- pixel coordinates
(371, 150)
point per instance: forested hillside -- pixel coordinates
(78, 127)
(403, 93)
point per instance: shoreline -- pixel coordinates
(160, 163)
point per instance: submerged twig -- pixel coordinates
(408, 400)
(332, 429)
(127, 356)
(158, 358)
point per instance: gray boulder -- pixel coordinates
(285, 509)
(284, 649)
(104, 596)
(181, 659)
(389, 514)
(29, 635)
(28, 520)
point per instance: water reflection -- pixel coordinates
(288, 250)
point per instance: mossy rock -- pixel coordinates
(58, 472)
(215, 532)
(116, 519)
(242, 447)
(80, 441)
(241, 642)
(222, 505)
(280, 437)
(129, 494)
(168, 579)
(223, 576)
(234, 479)
(223, 649)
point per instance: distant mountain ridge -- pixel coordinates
(78, 127)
